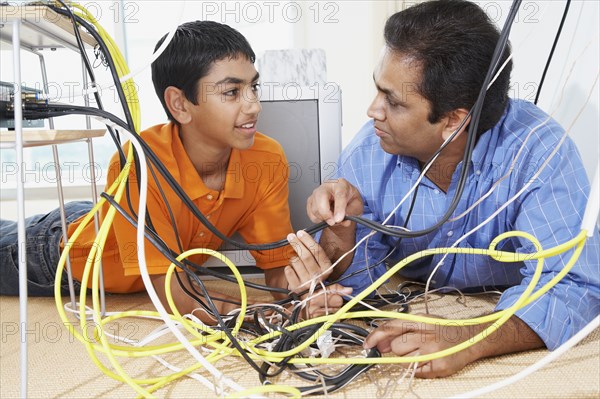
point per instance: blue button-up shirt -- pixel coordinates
(551, 209)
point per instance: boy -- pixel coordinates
(237, 177)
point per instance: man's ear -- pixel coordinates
(454, 120)
(177, 104)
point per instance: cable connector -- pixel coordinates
(325, 344)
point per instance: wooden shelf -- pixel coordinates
(33, 138)
(41, 27)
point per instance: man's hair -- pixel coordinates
(190, 55)
(453, 42)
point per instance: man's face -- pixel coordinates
(228, 106)
(400, 112)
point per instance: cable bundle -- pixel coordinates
(268, 337)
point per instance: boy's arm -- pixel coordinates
(276, 278)
(186, 304)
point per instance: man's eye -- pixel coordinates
(231, 93)
(255, 87)
(390, 102)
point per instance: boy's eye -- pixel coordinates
(231, 93)
(255, 87)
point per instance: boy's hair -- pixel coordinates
(190, 56)
(453, 42)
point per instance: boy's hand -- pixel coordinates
(313, 265)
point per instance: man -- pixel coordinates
(207, 83)
(431, 70)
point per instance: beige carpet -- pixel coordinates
(59, 365)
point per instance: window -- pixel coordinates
(136, 26)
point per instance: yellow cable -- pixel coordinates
(217, 339)
(330, 319)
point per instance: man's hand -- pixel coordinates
(312, 266)
(332, 201)
(407, 338)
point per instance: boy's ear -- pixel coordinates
(177, 104)
(454, 119)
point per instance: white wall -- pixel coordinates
(351, 33)
(352, 38)
(353, 42)
(573, 70)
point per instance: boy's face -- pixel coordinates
(400, 113)
(228, 106)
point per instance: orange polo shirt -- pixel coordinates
(253, 202)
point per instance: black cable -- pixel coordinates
(158, 243)
(171, 256)
(210, 302)
(337, 382)
(332, 383)
(108, 56)
(472, 132)
(549, 60)
(80, 44)
(123, 102)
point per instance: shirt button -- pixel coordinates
(477, 172)
(209, 197)
(208, 216)
(201, 234)
(436, 191)
(450, 233)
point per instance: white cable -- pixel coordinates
(421, 176)
(144, 66)
(148, 282)
(159, 50)
(518, 155)
(514, 197)
(585, 331)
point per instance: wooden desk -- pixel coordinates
(41, 27)
(34, 138)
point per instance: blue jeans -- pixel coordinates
(44, 235)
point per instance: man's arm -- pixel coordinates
(404, 338)
(332, 202)
(336, 241)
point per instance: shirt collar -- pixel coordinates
(488, 141)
